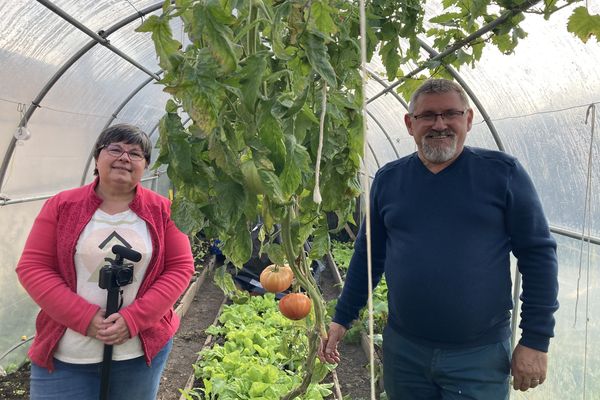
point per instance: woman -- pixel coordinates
(59, 267)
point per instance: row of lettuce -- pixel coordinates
(258, 353)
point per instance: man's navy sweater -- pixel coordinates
(444, 240)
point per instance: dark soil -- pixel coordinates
(352, 371)
(15, 386)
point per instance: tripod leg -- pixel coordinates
(112, 305)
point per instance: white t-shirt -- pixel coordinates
(95, 243)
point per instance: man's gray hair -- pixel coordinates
(437, 86)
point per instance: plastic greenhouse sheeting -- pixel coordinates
(537, 100)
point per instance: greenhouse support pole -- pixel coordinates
(100, 38)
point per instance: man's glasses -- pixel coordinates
(446, 116)
(117, 152)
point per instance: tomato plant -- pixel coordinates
(276, 278)
(295, 305)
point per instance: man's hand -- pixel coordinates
(528, 368)
(116, 331)
(328, 351)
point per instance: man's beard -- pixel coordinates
(442, 152)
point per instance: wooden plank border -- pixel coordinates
(190, 293)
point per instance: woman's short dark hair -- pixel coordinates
(126, 133)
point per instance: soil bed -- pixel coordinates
(15, 386)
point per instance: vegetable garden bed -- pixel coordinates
(254, 351)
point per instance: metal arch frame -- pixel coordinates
(385, 85)
(96, 39)
(384, 132)
(374, 155)
(397, 97)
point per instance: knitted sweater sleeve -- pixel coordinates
(535, 250)
(41, 276)
(355, 292)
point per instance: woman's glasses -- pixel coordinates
(117, 151)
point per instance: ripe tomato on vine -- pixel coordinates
(276, 278)
(295, 305)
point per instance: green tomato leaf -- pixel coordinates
(278, 29)
(321, 18)
(583, 25)
(391, 58)
(224, 281)
(251, 177)
(238, 247)
(174, 138)
(187, 216)
(275, 252)
(252, 74)
(272, 186)
(271, 137)
(316, 51)
(297, 163)
(320, 241)
(218, 38)
(162, 37)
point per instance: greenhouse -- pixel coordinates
(269, 121)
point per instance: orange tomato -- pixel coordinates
(295, 305)
(276, 278)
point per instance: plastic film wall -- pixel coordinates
(537, 99)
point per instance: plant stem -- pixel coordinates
(313, 340)
(304, 276)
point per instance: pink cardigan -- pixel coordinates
(47, 271)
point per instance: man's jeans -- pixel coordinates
(413, 371)
(129, 379)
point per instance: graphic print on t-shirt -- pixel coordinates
(96, 242)
(106, 246)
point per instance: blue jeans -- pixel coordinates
(412, 371)
(129, 379)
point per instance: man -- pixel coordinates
(443, 222)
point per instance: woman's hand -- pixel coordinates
(97, 323)
(114, 330)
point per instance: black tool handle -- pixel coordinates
(112, 306)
